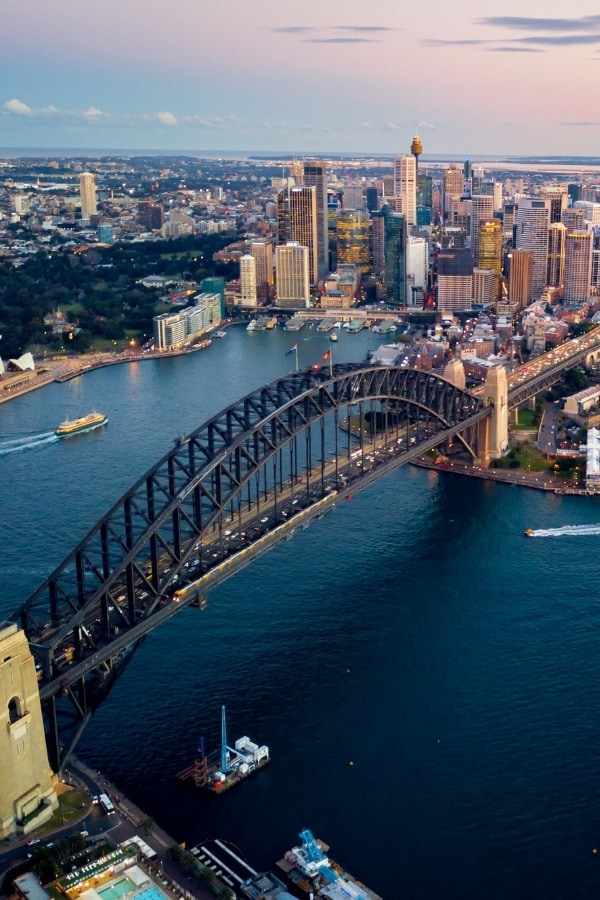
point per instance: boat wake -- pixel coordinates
(23, 444)
(567, 531)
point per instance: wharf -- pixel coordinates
(534, 480)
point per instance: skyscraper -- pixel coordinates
(533, 220)
(455, 279)
(556, 255)
(557, 198)
(262, 251)
(315, 175)
(87, 193)
(482, 209)
(292, 278)
(578, 265)
(405, 186)
(395, 258)
(248, 288)
(353, 238)
(304, 225)
(520, 282)
(417, 269)
(489, 254)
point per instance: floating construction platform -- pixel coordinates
(221, 770)
(311, 871)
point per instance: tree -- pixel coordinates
(147, 824)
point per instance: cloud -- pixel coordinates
(395, 126)
(561, 40)
(428, 125)
(523, 23)
(515, 50)
(459, 42)
(293, 29)
(167, 118)
(363, 28)
(340, 40)
(582, 124)
(18, 108)
(92, 112)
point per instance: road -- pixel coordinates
(547, 433)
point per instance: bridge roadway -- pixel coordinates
(376, 459)
(545, 370)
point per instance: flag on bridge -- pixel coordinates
(293, 349)
(327, 356)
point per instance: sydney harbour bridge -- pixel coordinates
(228, 492)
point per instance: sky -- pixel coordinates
(468, 76)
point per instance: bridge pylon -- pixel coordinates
(27, 783)
(455, 373)
(493, 434)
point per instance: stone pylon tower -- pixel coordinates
(495, 392)
(27, 794)
(455, 372)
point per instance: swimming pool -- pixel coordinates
(151, 893)
(117, 890)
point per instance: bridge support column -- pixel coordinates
(455, 373)
(27, 783)
(494, 438)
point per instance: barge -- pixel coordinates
(218, 771)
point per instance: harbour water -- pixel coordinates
(424, 675)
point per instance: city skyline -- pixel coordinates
(299, 79)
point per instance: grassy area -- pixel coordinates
(526, 420)
(73, 805)
(526, 457)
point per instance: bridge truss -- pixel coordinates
(262, 461)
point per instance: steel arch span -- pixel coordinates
(225, 493)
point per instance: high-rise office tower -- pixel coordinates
(378, 240)
(372, 198)
(489, 255)
(417, 269)
(248, 288)
(304, 225)
(455, 279)
(454, 180)
(353, 226)
(509, 220)
(482, 210)
(520, 282)
(354, 197)
(572, 219)
(87, 193)
(578, 265)
(556, 255)
(395, 257)
(292, 275)
(590, 210)
(405, 186)
(262, 251)
(557, 198)
(315, 175)
(533, 220)
(484, 286)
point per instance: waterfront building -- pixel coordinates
(298, 223)
(314, 174)
(353, 231)
(405, 186)
(87, 194)
(533, 220)
(520, 282)
(248, 289)
(556, 254)
(262, 251)
(173, 330)
(395, 257)
(578, 266)
(292, 276)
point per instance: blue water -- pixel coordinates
(413, 632)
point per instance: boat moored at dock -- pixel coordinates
(294, 324)
(84, 423)
(325, 326)
(311, 872)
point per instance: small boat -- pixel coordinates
(251, 325)
(220, 334)
(529, 532)
(84, 423)
(333, 336)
